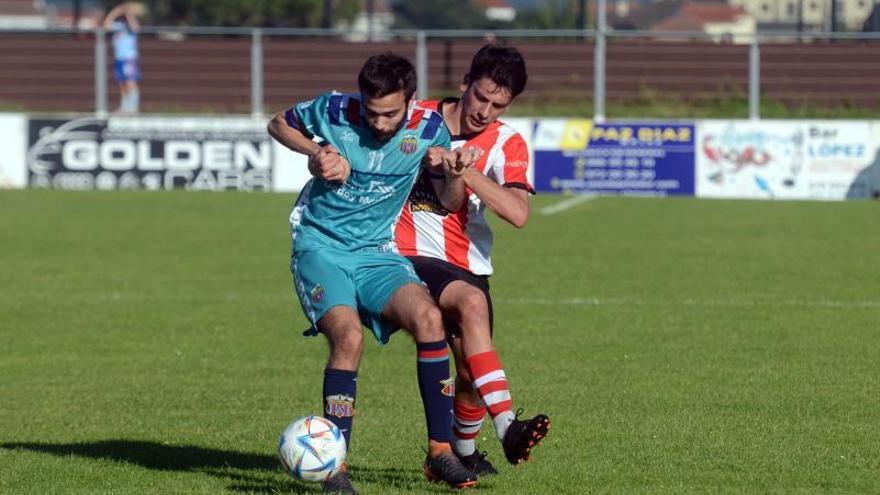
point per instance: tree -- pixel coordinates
(247, 13)
(438, 14)
(549, 14)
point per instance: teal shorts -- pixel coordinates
(363, 280)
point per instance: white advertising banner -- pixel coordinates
(756, 160)
(821, 159)
(836, 153)
(13, 142)
(291, 170)
(866, 183)
(202, 153)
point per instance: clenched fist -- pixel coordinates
(329, 165)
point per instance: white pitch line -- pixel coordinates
(566, 204)
(595, 301)
(537, 301)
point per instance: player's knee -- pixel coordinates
(348, 345)
(429, 326)
(473, 310)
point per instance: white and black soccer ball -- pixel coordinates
(312, 449)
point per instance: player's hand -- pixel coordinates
(458, 161)
(467, 156)
(434, 157)
(329, 164)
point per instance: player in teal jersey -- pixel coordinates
(346, 270)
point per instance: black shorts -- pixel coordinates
(437, 274)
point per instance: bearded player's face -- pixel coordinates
(385, 115)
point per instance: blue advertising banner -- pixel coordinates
(636, 158)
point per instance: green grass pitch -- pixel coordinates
(150, 343)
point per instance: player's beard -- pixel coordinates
(385, 136)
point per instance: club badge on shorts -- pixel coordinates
(317, 294)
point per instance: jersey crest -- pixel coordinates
(409, 144)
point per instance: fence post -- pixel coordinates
(100, 73)
(257, 73)
(754, 80)
(599, 66)
(422, 64)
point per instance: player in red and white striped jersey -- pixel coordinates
(451, 250)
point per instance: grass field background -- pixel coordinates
(150, 343)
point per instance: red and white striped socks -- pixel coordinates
(466, 424)
(491, 383)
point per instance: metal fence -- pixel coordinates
(254, 70)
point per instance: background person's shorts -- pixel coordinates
(363, 280)
(126, 70)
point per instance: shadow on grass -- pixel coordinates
(153, 455)
(161, 457)
(245, 472)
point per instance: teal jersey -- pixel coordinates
(360, 213)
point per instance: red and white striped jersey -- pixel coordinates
(463, 237)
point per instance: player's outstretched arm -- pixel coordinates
(112, 15)
(291, 138)
(512, 205)
(131, 18)
(324, 162)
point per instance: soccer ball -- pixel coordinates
(311, 449)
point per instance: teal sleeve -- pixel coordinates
(311, 116)
(443, 138)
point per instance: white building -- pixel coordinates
(724, 22)
(497, 10)
(373, 26)
(851, 14)
(23, 14)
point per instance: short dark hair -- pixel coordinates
(503, 64)
(387, 73)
